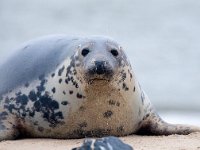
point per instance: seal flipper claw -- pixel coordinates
(154, 125)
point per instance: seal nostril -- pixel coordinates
(100, 67)
(99, 63)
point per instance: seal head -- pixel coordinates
(100, 61)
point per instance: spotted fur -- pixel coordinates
(49, 89)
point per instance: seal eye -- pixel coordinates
(85, 51)
(114, 52)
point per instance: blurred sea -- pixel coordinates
(181, 117)
(162, 40)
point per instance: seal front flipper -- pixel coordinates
(8, 131)
(152, 124)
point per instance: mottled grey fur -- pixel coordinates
(48, 88)
(35, 58)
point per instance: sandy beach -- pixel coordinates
(172, 142)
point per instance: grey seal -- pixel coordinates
(72, 87)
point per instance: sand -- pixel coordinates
(172, 142)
